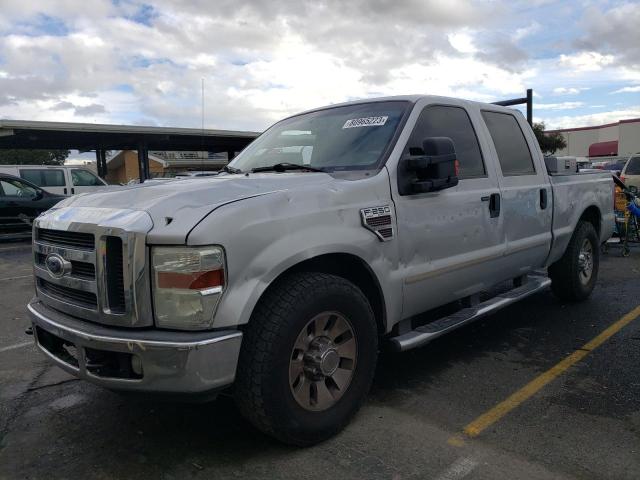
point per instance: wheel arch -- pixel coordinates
(350, 267)
(592, 215)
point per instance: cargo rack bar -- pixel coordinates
(519, 101)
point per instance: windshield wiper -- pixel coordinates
(229, 169)
(282, 167)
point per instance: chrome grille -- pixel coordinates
(65, 238)
(78, 269)
(104, 277)
(79, 297)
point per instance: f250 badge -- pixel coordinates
(378, 220)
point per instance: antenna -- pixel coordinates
(202, 146)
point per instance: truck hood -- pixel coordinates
(176, 206)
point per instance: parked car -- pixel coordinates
(57, 179)
(20, 203)
(615, 166)
(631, 172)
(328, 235)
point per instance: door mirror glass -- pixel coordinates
(434, 168)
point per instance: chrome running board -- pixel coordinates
(424, 334)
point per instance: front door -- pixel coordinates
(451, 241)
(84, 181)
(18, 206)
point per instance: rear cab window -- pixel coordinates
(45, 177)
(511, 146)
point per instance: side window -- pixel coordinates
(46, 177)
(512, 148)
(15, 188)
(84, 178)
(452, 122)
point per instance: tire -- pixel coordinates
(569, 280)
(274, 383)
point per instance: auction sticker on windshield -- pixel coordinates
(365, 122)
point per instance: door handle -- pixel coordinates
(494, 205)
(543, 198)
(65, 190)
(73, 190)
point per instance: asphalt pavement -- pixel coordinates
(583, 423)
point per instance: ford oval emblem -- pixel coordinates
(56, 265)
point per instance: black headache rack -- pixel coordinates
(520, 101)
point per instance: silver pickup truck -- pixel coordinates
(331, 234)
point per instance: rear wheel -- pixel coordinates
(308, 358)
(574, 276)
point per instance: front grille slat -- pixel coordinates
(81, 240)
(66, 294)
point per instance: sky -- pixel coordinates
(144, 63)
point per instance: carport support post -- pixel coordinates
(143, 162)
(530, 106)
(102, 170)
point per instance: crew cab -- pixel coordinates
(325, 239)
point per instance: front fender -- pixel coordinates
(264, 237)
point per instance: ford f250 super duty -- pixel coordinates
(331, 233)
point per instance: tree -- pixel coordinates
(33, 157)
(550, 143)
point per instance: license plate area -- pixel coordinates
(63, 350)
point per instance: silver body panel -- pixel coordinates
(444, 245)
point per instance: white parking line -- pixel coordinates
(459, 469)
(17, 345)
(15, 278)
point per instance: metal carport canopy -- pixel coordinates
(22, 134)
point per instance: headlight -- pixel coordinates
(187, 285)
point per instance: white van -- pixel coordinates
(59, 179)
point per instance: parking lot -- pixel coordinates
(577, 422)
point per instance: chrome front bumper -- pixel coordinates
(165, 362)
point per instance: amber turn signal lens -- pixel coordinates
(191, 280)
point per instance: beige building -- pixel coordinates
(620, 139)
(122, 167)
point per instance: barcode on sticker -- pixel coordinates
(365, 122)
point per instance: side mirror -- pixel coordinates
(435, 170)
(38, 195)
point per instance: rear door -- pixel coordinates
(450, 241)
(526, 192)
(53, 180)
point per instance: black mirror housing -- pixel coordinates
(435, 170)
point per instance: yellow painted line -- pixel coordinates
(487, 419)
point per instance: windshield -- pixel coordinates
(633, 167)
(353, 137)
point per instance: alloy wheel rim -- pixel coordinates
(322, 361)
(585, 261)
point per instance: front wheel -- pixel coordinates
(574, 276)
(308, 358)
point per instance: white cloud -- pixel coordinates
(559, 106)
(628, 89)
(462, 42)
(586, 61)
(568, 91)
(599, 118)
